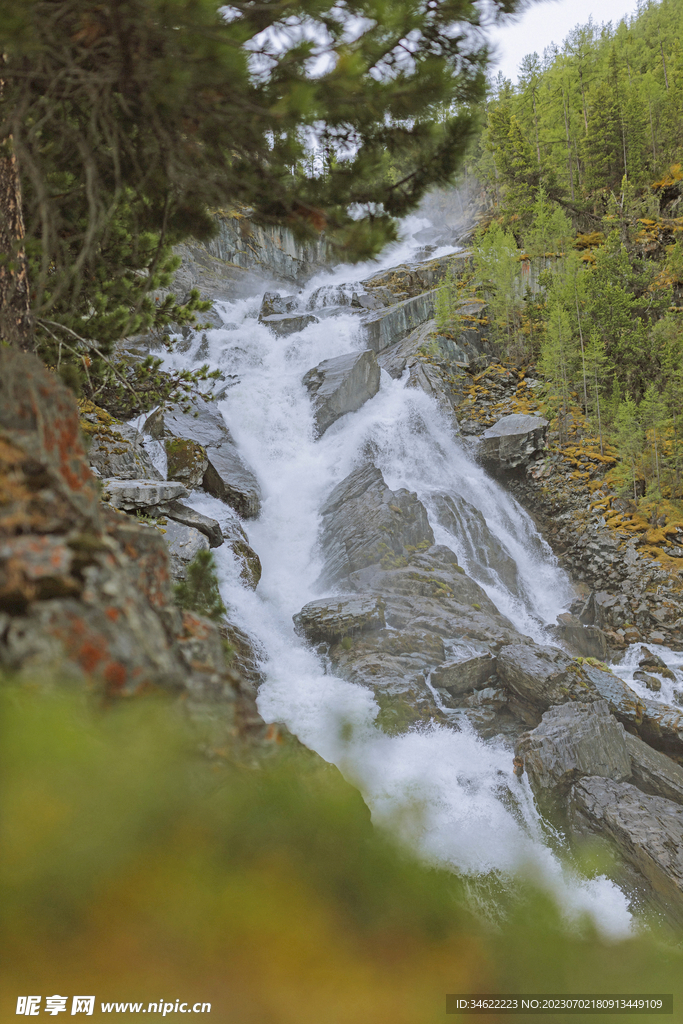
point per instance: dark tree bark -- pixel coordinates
(15, 318)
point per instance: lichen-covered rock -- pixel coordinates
(364, 523)
(45, 474)
(129, 495)
(332, 619)
(187, 461)
(646, 830)
(341, 385)
(513, 441)
(85, 590)
(226, 476)
(115, 449)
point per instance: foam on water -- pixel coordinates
(448, 793)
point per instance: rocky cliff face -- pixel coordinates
(85, 589)
(241, 253)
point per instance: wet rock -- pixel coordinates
(432, 592)
(588, 641)
(184, 543)
(368, 300)
(187, 461)
(117, 450)
(427, 378)
(273, 304)
(284, 324)
(341, 385)
(646, 830)
(652, 663)
(482, 547)
(513, 441)
(330, 620)
(140, 494)
(364, 523)
(662, 727)
(573, 741)
(650, 681)
(654, 772)
(385, 326)
(182, 514)
(393, 665)
(394, 359)
(540, 675)
(227, 476)
(460, 677)
(248, 560)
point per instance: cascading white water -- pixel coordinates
(473, 814)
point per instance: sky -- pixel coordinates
(549, 22)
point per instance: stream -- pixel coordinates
(452, 796)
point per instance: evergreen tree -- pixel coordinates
(132, 119)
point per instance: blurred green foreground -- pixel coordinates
(135, 870)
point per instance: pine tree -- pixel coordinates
(131, 120)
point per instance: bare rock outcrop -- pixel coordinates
(341, 385)
(512, 441)
(226, 475)
(85, 590)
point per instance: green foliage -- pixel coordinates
(496, 262)
(198, 592)
(133, 120)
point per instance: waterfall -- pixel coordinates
(448, 793)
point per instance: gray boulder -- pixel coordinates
(364, 523)
(540, 675)
(226, 476)
(184, 543)
(588, 641)
(571, 742)
(129, 495)
(119, 451)
(341, 385)
(460, 677)
(273, 304)
(646, 830)
(654, 772)
(188, 517)
(284, 324)
(248, 560)
(512, 441)
(332, 619)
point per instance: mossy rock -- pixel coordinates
(187, 461)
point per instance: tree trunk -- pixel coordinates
(15, 319)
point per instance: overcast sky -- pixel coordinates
(549, 22)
